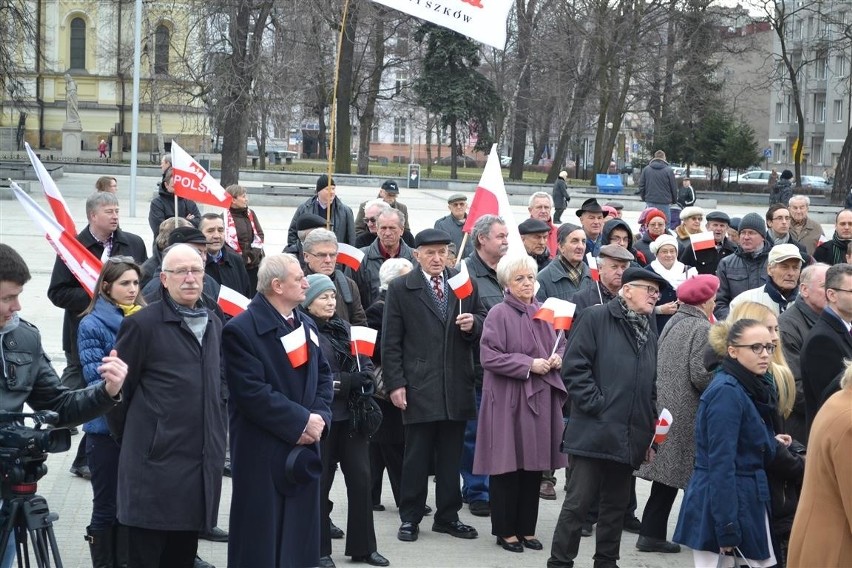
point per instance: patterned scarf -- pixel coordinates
(231, 238)
(639, 324)
(574, 274)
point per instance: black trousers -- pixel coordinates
(442, 441)
(514, 503)
(351, 451)
(588, 477)
(655, 517)
(592, 516)
(102, 453)
(161, 549)
(386, 456)
(557, 215)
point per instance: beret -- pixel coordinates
(609, 210)
(532, 226)
(698, 289)
(431, 237)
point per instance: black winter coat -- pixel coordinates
(229, 271)
(737, 273)
(825, 348)
(707, 261)
(611, 388)
(342, 220)
(163, 206)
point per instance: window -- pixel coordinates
(399, 131)
(841, 66)
(78, 44)
(374, 133)
(821, 66)
(791, 111)
(161, 50)
(816, 150)
(819, 108)
(401, 81)
(837, 111)
(779, 113)
(776, 152)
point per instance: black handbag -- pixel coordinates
(366, 416)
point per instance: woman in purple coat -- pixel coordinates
(520, 419)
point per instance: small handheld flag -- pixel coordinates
(593, 266)
(461, 284)
(232, 302)
(702, 241)
(349, 256)
(661, 430)
(296, 345)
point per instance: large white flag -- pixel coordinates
(491, 199)
(193, 182)
(482, 20)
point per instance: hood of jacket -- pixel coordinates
(613, 224)
(658, 164)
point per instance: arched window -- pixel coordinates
(161, 50)
(78, 44)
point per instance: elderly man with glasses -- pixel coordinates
(321, 258)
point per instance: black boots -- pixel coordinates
(108, 547)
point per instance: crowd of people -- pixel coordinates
(743, 341)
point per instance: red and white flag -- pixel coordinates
(481, 20)
(558, 312)
(491, 199)
(85, 266)
(232, 302)
(821, 240)
(593, 266)
(296, 345)
(664, 422)
(702, 241)
(460, 283)
(191, 181)
(363, 340)
(51, 191)
(349, 256)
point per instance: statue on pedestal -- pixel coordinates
(72, 109)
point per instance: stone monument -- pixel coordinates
(72, 129)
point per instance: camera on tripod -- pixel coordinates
(23, 450)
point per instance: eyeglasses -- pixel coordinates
(780, 218)
(647, 287)
(123, 259)
(757, 348)
(841, 290)
(370, 220)
(328, 255)
(183, 272)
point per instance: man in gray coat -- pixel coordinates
(453, 223)
(657, 186)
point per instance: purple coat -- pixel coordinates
(520, 418)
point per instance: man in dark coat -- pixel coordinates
(171, 424)
(320, 252)
(613, 408)
(829, 342)
(561, 197)
(278, 413)
(342, 220)
(428, 369)
(834, 251)
(103, 238)
(306, 223)
(534, 234)
(364, 234)
(389, 244)
(453, 223)
(707, 261)
(163, 205)
(224, 265)
(657, 185)
(746, 268)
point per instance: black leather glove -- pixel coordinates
(363, 383)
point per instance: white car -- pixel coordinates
(694, 173)
(754, 177)
(816, 182)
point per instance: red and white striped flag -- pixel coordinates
(821, 240)
(51, 191)
(363, 340)
(461, 283)
(191, 181)
(232, 302)
(661, 429)
(558, 312)
(85, 266)
(296, 345)
(702, 241)
(491, 199)
(593, 266)
(349, 256)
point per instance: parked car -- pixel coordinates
(816, 182)
(462, 161)
(694, 173)
(754, 177)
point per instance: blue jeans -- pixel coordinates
(665, 208)
(474, 487)
(102, 453)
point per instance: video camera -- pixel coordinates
(23, 450)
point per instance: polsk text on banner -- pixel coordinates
(296, 345)
(461, 283)
(232, 302)
(85, 266)
(481, 20)
(363, 340)
(349, 256)
(51, 191)
(191, 181)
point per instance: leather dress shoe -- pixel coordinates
(587, 530)
(378, 507)
(532, 543)
(649, 544)
(408, 532)
(455, 528)
(81, 471)
(199, 563)
(326, 562)
(427, 510)
(546, 491)
(510, 546)
(373, 559)
(632, 525)
(480, 508)
(215, 535)
(335, 531)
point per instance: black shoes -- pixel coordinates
(510, 546)
(378, 507)
(455, 528)
(199, 563)
(632, 525)
(81, 471)
(587, 530)
(326, 562)
(649, 544)
(480, 509)
(408, 532)
(373, 559)
(532, 543)
(335, 531)
(226, 471)
(427, 510)
(215, 535)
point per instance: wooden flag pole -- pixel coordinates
(459, 258)
(333, 113)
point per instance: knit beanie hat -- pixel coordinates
(754, 222)
(662, 241)
(317, 284)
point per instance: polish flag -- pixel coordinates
(491, 199)
(702, 241)
(558, 312)
(349, 256)
(51, 191)
(593, 266)
(821, 240)
(296, 345)
(232, 302)
(661, 430)
(191, 181)
(85, 266)
(461, 283)
(363, 340)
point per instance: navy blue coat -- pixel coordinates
(95, 339)
(727, 499)
(273, 522)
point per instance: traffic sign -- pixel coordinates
(767, 152)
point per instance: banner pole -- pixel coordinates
(459, 258)
(333, 112)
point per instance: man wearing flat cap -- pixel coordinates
(195, 239)
(610, 369)
(706, 261)
(591, 216)
(427, 340)
(342, 220)
(784, 267)
(453, 223)
(567, 274)
(534, 234)
(612, 262)
(387, 193)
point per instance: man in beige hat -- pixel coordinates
(784, 267)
